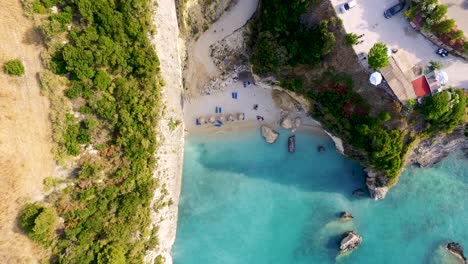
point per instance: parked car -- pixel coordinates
(442, 52)
(394, 10)
(347, 6)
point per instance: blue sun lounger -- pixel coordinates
(197, 122)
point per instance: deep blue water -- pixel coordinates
(245, 201)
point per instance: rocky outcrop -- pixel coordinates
(286, 122)
(269, 134)
(351, 240)
(376, 184)
(345, 216)
(433, 150)
(297, 122)
(456, 250)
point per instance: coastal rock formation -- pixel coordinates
(351, 240)
(297, 122)
(286, 122)
(321, 149)
(433, 150)
(269, 134)
(376, 184)
(456, 250)
(345, 216)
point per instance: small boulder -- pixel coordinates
(269, 134)
(345, 216)
(351, 240)
(456, 250)
(297, 122)
(286, 122)
(321, 149)
(358, 192)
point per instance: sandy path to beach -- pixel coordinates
(25, 140)
(200, 65)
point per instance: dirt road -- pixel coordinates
(25, 142)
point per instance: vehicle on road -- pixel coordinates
(442, 52)
(347, 6)
(394, 10)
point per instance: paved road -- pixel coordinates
(367, 18)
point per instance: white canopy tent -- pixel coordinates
(375, 78)
(442, 77)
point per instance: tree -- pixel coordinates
(378, 57)
(445, 26)
(351, 39)
(112, 254)
(39, 223)
(384, 116)
(436, 15)
(445, 110)
(268, 56)
(14, 67)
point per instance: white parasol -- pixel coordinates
(375, 78)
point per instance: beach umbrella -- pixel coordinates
(442, 77)
(221, 118)
(240, 116)
(212, 119)
(202, 120)
(230, 117)
(375, 78)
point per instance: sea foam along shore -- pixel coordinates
(171, 140)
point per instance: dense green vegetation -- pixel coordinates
(13, 67)
(283, 40)
(378, 56)
(445, 110)
(113, 80)
(39, 223)
(347, 114)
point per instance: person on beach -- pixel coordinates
(255, 107)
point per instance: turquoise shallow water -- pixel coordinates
(244, 201)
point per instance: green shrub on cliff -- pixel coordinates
(445, 110)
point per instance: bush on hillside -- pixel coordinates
(39, 223)
(351, 39)
(14, 67)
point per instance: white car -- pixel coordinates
(347, 6)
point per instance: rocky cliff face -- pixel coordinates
(433, 150)
(427, 152)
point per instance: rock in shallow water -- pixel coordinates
(269, 134)
(350, 241)
(345, 216)
(286, 122)
(456, 250)
(358, 192)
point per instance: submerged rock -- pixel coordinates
(345, 216)
(456, 250)
(358, 192)
(269, 134)
(351, 240)
(321, 149)
(286, 122)
(292, 144)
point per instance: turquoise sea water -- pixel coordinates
(244, 201)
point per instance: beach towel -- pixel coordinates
(218, 125)
(219, 110)
(198, 122)
(216, 110)
(235, 95)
